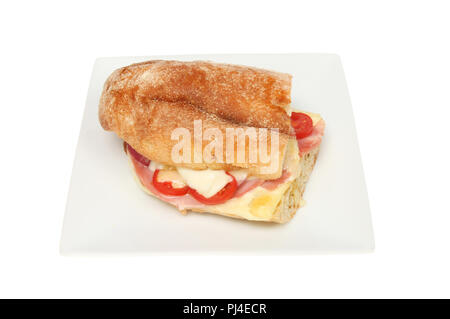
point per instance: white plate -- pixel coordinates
(107, 213)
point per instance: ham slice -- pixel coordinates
(272, 184)
(247, 186)
(306, 144)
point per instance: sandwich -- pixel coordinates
(213, 138)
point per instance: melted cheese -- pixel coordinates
(206, 182)
(171, 176)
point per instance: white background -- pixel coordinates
(396, 55)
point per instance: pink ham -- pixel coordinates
(247, 186)
(306, 144)
(272, 184)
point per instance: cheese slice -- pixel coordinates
(171, 176)
(257, 204)
(206, 182)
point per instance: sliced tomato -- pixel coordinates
(220, 197)
(140, 158)
(302, 124)
(167, 188)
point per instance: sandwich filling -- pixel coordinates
(233, 192)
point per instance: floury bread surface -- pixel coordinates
(241, 94)
(143, 104)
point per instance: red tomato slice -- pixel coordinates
(302, 124)
(167, 188)
(140, 158)
(221, 197)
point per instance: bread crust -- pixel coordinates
(143, 103)
(241, 94)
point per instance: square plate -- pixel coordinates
(107, 213)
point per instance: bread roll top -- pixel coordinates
(144, 103)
